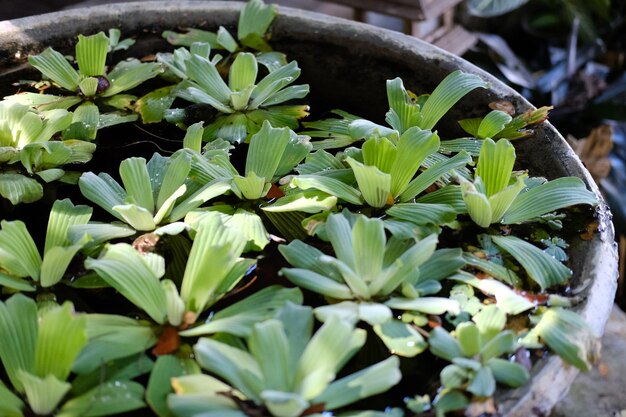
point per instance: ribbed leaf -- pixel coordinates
(492, 124)
(265, 151)
(18, 253)
(129, 74)
(91, 54)
(545, 198)
(64, 215)
(422, 214)
(203, 72)
(477, 205)
(268, 343)
(134, 174)
(226, 40)
(174, 176)
(53, 65)
(318, 283)
(112, 337)
(151, 107)
(483, 384)
(413, 147)
(456, 85)
(372, 380)
(273, 83)
(243, 72)
(123, 268)
(99, 232)
(18, 188)
(193, 137)
(136, 216)
(328, 185)
(208, 191)
(566, 333)
(85, 121)
(57, 260)
(309, 201)
(400, 338)
(495, 165)
(62, 335)
(374, 184)
(403, 112)
(251, 227)
(102, 190)
(215, 251)
(501, 201)
(109, 398)
(368, 239)
(329, 349)
(493, 269)
(469, 338)
(433, 174)
(254, 21)
(540, 267)
(239, 317)
(18, 332)
(503, 342)
(236, 366)
(43, 394)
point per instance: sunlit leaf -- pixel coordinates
(541, 267)
(53, 65)
(129, 273)
(91, 54)
(18, 188)
(401, 338)
(43, 393)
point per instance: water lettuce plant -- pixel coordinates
(262, 263)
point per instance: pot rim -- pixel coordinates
(550, 376)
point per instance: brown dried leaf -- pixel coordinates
(482, 408)
(594, 150)
(169, 342)
(146, 242)
(503, 105)
(590, 230)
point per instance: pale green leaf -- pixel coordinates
(117, 370)
(18, 253)
(441, 264)
(102, 190)
(99, 232)
(401, 338)
(483, 384)
(215, 252)
(413, 147)
(204, 73)
(210, 190)
(374, 184)
(309, 201)
(193, 137)
(136, 216)
(444, 345)
(540, 267)
(64, 215)
(428, 305)
(265, 151)
(57, 260)
(239, 317)
(62, 335)
(492, 8)
(422, 214)
(113, 337)
(269, 345)
(468, 336)
(492, 124)
(566, 333)
(495, 165)
(18, 331)
(329, 349)
(273, 83)
(43, 394)
(374, 379)
(85, 121)
(10, 404)
(456, 85)
(129, 74)
(243, 71)
(91, 54)
(368, 242)
(318, 283)
(15, 283)
(477, 204)
(254, 21)
(280, 403)
(501, 343)
(151, 107)
(434, 173)
(109, 398)
(226, 40)
(122, 267)
(53, 65)
(236, 366)
(548, 197)
(508, 373)
(328, 185)
(136, 179)
(501, 201)
(18, 188)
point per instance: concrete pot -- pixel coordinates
(347, 64)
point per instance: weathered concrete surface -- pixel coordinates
(601, 392)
